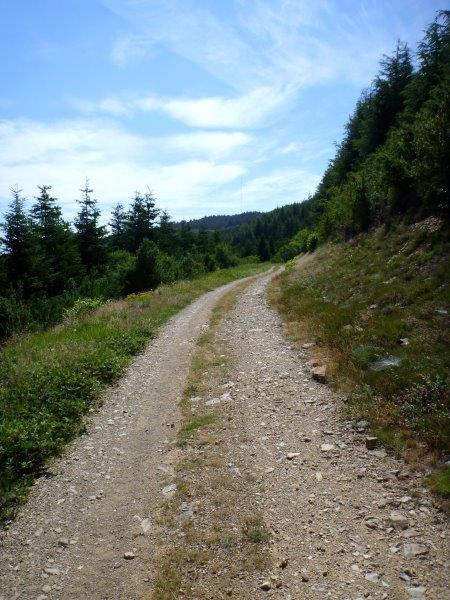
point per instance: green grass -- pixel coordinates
(255, 531)
(49, 380)
(360, 301)
(440, 482)
(191, 426)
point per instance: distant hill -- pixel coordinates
(222, 222)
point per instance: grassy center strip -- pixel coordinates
(212, 543)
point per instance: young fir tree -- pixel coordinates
(146, 274)
(90, 236)
(59, 263)
(118, 225)
(20, 250)
(140, 220)
(167, 237)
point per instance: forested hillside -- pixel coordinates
(392, 163)
(221, 222)
(373, 301)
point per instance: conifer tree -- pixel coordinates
(140, 220)
(90, 236)
(59, 261)
(118, 227)
(167, 238)
(18, 242)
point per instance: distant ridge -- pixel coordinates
(222, 222)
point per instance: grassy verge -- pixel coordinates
(212, 544)
(377, 311)
(49, 380)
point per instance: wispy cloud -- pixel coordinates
(117, 162)
(268, 43)
(242, 112)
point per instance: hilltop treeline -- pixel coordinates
(392, 163)
(46, 263)
(221, 222)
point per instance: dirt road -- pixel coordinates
(346, 522)
(70, 539)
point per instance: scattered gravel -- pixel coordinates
(347, 522)
(339, 512)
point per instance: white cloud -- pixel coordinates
(210, 143)
(280, 187)
(241, 112)
(117, 163)
(291, 148)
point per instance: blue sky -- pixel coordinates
(218, 106)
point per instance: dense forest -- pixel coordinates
(392, 163)
(221, 222)
(46, 264)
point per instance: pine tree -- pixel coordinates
(18, 242)
(118, 227)
(90, 236)
(59, 262)
(140, 220)
(167, 237)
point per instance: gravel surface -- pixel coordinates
(346, 523)
(86, 530)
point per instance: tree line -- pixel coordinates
(393, 162)
(46, 264)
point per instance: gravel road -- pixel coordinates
(86, 530)
(346, 523)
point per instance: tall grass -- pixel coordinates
(49, 380)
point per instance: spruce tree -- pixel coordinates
(167, 238)
(20, 251)
(140, 220)
(59, 263)
(118, 227)
(90, 236)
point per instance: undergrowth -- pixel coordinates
(377, 309)
(49, 380)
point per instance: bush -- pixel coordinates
(145, 275)
(225, 257)
(191, 266)
(82, 307)
(167, 267)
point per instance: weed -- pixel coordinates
(255, 531)
(191, 426)
(440, 482)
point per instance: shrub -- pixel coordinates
(82, 307)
